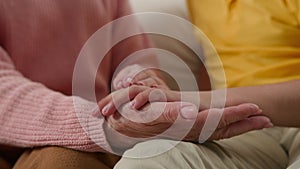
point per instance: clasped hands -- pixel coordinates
(143, 107)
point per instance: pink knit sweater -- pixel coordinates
(40, 41)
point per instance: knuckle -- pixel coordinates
(157, 95)
(223, 122)
(193, 135)
(201, 119)
(232, 111)
(133, 90)
(144, 96)
(227, 134)
(119, 126)
(169, 113)
(217, 135)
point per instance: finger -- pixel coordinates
(111, 103)
(141, 99)
(149, 95)
(169, 111)
(153, 121)
(135, 70)
(120, 97)
(141, 76)
(149, 79)
(155, 81)
(210, 120)
(104, 104)
(137, 124)
(124, 75)
(179, 115)
(236, 113)
(127, 80)
(117, 84)
(160, 83)
(147, 82)
(118, 80)
(155, 95)
(135, 130)
(243, 126)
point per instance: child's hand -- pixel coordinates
(135, 74)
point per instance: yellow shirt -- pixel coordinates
(258, 41)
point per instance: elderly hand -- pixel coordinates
(181, 121)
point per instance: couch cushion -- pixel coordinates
(180, 73)
(175, 7)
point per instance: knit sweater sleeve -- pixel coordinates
(32, 115)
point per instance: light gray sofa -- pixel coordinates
(181, 76)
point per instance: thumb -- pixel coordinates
(169, 111)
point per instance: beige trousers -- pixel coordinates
(275, 148)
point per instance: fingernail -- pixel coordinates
(105, 109)
(129, 79)
(189, 112)
(132, 103)
(119, 85)
(255, 106)
(96, 112)
(140, 83)
(154, 86)
(269, 125)
(256, 109)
